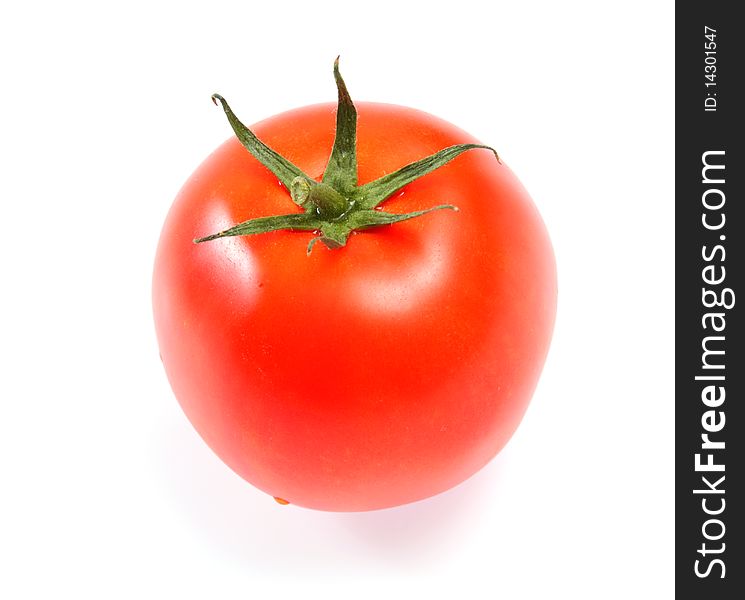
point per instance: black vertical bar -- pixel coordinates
(710, 301)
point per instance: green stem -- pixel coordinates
(341, 171)
(336, 206)
(327, 202)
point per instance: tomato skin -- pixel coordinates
(372, 375)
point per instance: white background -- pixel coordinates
(109, 493)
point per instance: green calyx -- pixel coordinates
(336, 206)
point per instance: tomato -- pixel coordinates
(365, 376)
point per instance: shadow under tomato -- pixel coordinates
(241, 523)
(425, 532)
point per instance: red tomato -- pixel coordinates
(366, 376)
